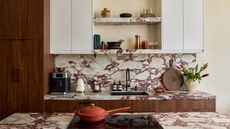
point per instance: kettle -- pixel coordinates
(80, 87)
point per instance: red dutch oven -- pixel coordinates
(94, 113)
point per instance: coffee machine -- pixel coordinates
(60, 83)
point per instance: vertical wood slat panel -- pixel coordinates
(4, 53)
(21, 19)
(25, 34)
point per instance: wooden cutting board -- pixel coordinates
(172, 78)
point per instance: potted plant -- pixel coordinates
(193, 76)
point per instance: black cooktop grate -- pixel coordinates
(120, 121)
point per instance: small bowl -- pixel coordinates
(114, 45)
(125, 15)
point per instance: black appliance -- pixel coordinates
(60, 83)
(118, 121)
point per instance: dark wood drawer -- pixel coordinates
(163, 106)
(189, 105)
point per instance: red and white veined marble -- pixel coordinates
(37, 121)
(193, 120)
(184, 120)
(146, 69)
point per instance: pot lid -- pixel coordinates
(91, 111)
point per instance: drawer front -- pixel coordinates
(196, 105)
(165, 105)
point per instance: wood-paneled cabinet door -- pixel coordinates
(9, 19)
(4, 53)
(172, 25)
(16, 90)
(205, 105)
(193, 25)
(24, 89)
(21, 19)
(31, 19)
(82, 26)
(60, 26)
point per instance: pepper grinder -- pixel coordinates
(138, 40)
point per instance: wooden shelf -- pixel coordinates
(127, 21)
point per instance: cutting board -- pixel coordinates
(172, 78)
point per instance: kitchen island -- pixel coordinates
(197, 120)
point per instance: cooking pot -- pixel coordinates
(94, 113)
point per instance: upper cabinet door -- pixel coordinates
(82, 26)
(193, 25)
(60, 32)
(21, 19)
(172, 25)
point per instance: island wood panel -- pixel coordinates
(21, 19)
(188, 105)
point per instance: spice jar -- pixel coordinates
(105, 12)
(102, 45)
(144, 45)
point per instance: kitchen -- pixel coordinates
(38, 37)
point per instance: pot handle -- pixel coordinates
(121, 41)
(125, 109)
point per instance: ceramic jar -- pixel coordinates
(191, 85)
(80, 87)
(105, 12)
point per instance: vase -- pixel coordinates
(191, 85)
(105, 12)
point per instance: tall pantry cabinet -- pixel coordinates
(24, 51)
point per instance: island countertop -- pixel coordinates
(198, 120)
(169, 95)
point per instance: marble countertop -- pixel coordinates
(37, 121)
(169, 95)
(191, 120)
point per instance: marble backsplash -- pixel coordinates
(145, 69)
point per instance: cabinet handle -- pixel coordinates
(15, 75)
(196, 109)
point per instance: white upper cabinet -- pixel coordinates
(193, 25)
(182, 26)
(82, 26)
(172, 25)
(71, 26)
(60, 26)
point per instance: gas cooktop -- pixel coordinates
(120, 121)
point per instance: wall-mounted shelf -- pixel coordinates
(127, 21)
(127, 51)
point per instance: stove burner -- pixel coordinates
(118, 122)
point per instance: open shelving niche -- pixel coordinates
(116, 28)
